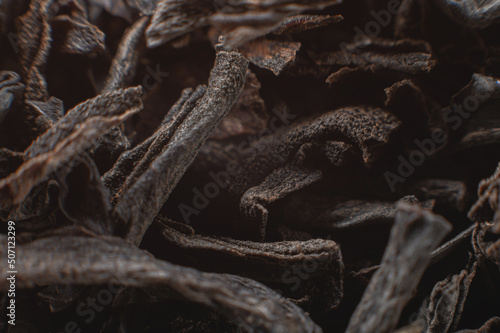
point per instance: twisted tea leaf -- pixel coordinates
(35, 36)
(10, 89)
(49, 112)
(263, 261)
(110, 104)
(155, 185)
(487, 205)
(94, 261)
(366, 129)
(247, 117)
(114, 178)
(73, 33)
(37, 169)
(242, 20)
(36, 31)
(34, 213)
(124, 63)
(161, 140)
(416, 232)
(447, 301)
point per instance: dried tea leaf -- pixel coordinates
(269, 175)
(11, 89)
(490, 326)
(338, 153)
(110, 104)
(268, 54)
(447, 247)
(108, 148)
(117, 8)
(37, 168)
(472, 13)
(261, 18)
(34, 212)
(299, 23)
(475, 104)
(243, 21)
(35, 37)
(338, 213)
(405, 56)
(276, 186)
(419, 113)
(415, 234)
(486, 242)
(146, 7)
(50, 111)
(366, 129)
(295, 163)
(160, 139)
(73, 33)
(487, 205)
(124, 63)
(115, 178)
(155, 185)
(444, 309)
(35, 32)
(271, 262)
(447, 193)
(85, 201)
(174, 18)
(93, 261)
(248, 116)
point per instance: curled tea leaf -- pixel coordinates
(93, 261)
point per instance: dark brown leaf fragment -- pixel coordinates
(272, 55)
(415, 234)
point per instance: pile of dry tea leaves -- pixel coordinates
(250, 166)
